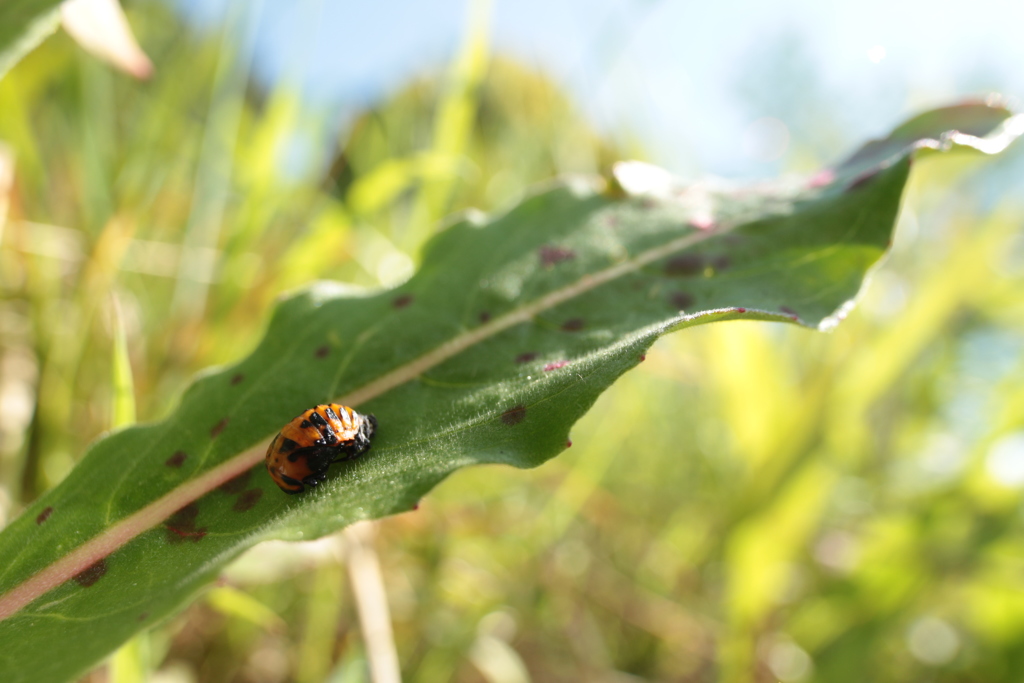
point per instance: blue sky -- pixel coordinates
(731, 88)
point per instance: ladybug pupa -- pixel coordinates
(305, 448)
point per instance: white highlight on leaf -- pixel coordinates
(832, 322)
(640, 178)
(995, 142)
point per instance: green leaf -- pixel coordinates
(504, 338)
(23, 25)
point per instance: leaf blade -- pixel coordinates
(506, 336)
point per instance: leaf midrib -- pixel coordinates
(122, 532)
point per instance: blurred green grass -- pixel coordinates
(754, 503)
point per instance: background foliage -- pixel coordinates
(755, 502)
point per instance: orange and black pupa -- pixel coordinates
(301, 453)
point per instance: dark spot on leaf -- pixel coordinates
(416, 506)
(237, 379)
(568, 444)
(573, 325)
(526, 357)
(741, 310)
(236, 484)
(216, 429)
(484, 316)
(247, 500)
(550, 255)
(176, 460)
(144, 616)
(554, 366)
(402, 301)
(643, 357)
(789, 311)
(185, 515)
(177, 534)
(514, 416)
(684, 265)
(721, 262)
(181, 526)
(44, 515)
(681, 300)
(91, 574)
(322, 351)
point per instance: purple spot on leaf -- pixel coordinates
(550, 255)
(684, 265)
(181, 526)
(236, 484)
(176, 460)
(643, 357)
(741, 310)
(185, 515)
(216, 429)
(44, 515)
(514, 416)
(554, 366)
(322, 351)
(247, 500)
(91, 574)
(568, 444)
(573, 325)
(402, 301)
(681, 300)
(177, 534)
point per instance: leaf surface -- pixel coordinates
(504, 338)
